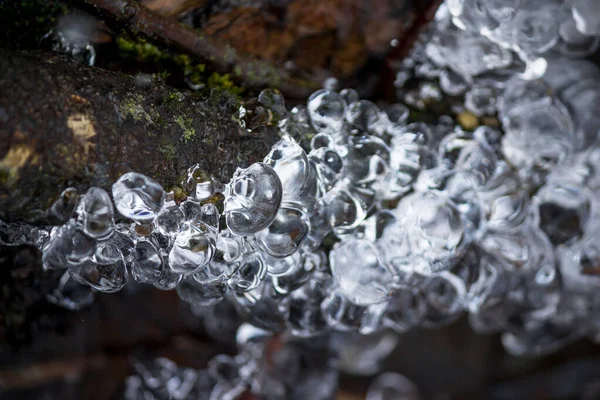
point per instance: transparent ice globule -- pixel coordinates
(437, 232)
(138, 197)
(252, 199)
(195, 243)
(359, 273)
(298, 176)
(96, 213)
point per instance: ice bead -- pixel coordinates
(524, 250)
(364, 117)
(406, 309)
(583, 98)
(537, 138)
(168, 280)
(71, 295)
(249, 274)
(199, 294)
(341, 314)
(68, 246)
(392, 386)
(107, 278)
(535, 27)
(344, 207)
(328, 165)
(170, 220)
(297, 175)
(273, 100)
(303, 308)
(367, 163)
(192, 250)
(358, 272)
(96, 213)
(467, 54)
(138, 197)
(563, 211)
(252, 199)
(146, 263)
(285, 234)
(409, 156)
(586, 14)
(283, 266)
(62, 209)
(326, 110)
(437, 231)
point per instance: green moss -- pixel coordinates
(131, 107)
(173, 98)
(139, 50)
(168, 150)
(186, 125)
(224, 82)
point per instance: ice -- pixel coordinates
(146, 263)
(252, 199)
(326, 110)
(96, 213)
(138, 197)
(108, 278)
(359, 273)
(199, 294)
(392, 386)
(285, 234)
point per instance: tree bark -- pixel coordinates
(63, 125)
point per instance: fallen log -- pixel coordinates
(63, 124)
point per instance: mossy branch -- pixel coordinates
(249, 72)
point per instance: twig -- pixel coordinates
(252, 73)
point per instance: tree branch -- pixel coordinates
(252, 73)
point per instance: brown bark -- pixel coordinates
(64, 124)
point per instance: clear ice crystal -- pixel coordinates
(138, 197)
(96, 213)
(285, 234)
(359, 273)
(252, 199)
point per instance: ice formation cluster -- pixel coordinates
(383, 222)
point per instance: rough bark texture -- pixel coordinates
(64, 124)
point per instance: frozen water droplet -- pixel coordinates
(192, 250)
(365, 117)
(146, 262)
(405, 309)
(586, 14)
(68, 246)
(96, 212)
(252, 199)
(62, 209)
(538, 137)
(249, 274)
(107, 278)
(437, 231)
(297, 175)
(283, 266)
(138, 197)
(199, 294)
(563, 211)
(326, 111)
(274, 101)
(328, 165)
(360, 275)
(285, 234)
(71, 295)
(392, 386)
(170, 220)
